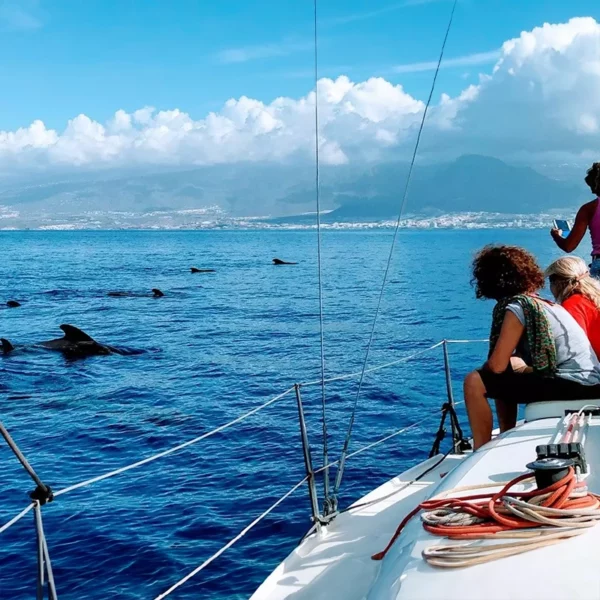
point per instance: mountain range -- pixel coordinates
(278, 192)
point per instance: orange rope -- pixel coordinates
(490, 508)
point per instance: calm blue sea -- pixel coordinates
(215, 346)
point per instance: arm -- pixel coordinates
(580, 226)
(510, 334)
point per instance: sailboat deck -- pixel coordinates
(336, 563)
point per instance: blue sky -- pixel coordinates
(65, 57)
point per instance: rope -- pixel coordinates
(232, 541)
(565, 505)
(376, 368)
(171, 450)
(319, 266)
(340, 472)
(17, 518)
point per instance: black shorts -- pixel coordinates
(523, 388)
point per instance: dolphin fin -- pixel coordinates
(6, 346)
(73, 334)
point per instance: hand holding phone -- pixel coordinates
(562, 226)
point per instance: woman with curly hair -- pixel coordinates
(588, 217)
(579, 293)
(537, 350)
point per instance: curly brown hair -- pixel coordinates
(592, 178)
(505, 271)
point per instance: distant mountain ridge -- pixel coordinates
(471, 183)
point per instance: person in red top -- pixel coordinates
(579, 293)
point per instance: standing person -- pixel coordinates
(588, 217)
(579, 293)
(563, 364)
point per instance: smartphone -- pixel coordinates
(563, 225)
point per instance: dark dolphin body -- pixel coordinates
(74, 344)
(156, 293)
(195, 270)
(13, 304)
(278, 261)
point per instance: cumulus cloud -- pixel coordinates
(543, 93)
(541, 98)
(353, 116)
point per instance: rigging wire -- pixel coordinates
(340, 471)
(319, 267)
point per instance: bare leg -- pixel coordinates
(519, 365)
(507, 414)
(478, 409)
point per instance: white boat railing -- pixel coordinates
(43, 494)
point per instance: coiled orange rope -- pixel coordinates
(566, 505)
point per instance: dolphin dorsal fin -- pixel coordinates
(6, 346)
(72, 334)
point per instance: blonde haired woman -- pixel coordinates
(579, 293)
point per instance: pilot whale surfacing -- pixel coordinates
(6, 346)
(74, 344)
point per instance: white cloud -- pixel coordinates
(248, 53)
(542, 98)
(370, 14)
(19, 15)
(543, 94)
(353, 116)
(476, 59)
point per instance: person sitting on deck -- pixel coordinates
(537, 350)
(579, 293)
(588, 217)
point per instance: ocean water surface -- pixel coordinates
(216, 345)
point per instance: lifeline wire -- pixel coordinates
(232, 541)
(17, 518)
(376, 367)
(340, 471)
(171, 450)
(319, 267)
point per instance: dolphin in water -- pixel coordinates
(74, 344)
(278, 261)
(156, 293)
(13, 304)
(196, 270)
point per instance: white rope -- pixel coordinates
(171, 450)
(231, 542)
(376, 368)
(467, 341)
(568, 522)
(17, 518)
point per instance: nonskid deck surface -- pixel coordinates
(337, 563)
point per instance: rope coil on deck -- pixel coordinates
(536, 518)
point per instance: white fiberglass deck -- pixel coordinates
(336, 564)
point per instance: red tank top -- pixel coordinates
(587, 314)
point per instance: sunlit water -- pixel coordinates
(215, 346)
